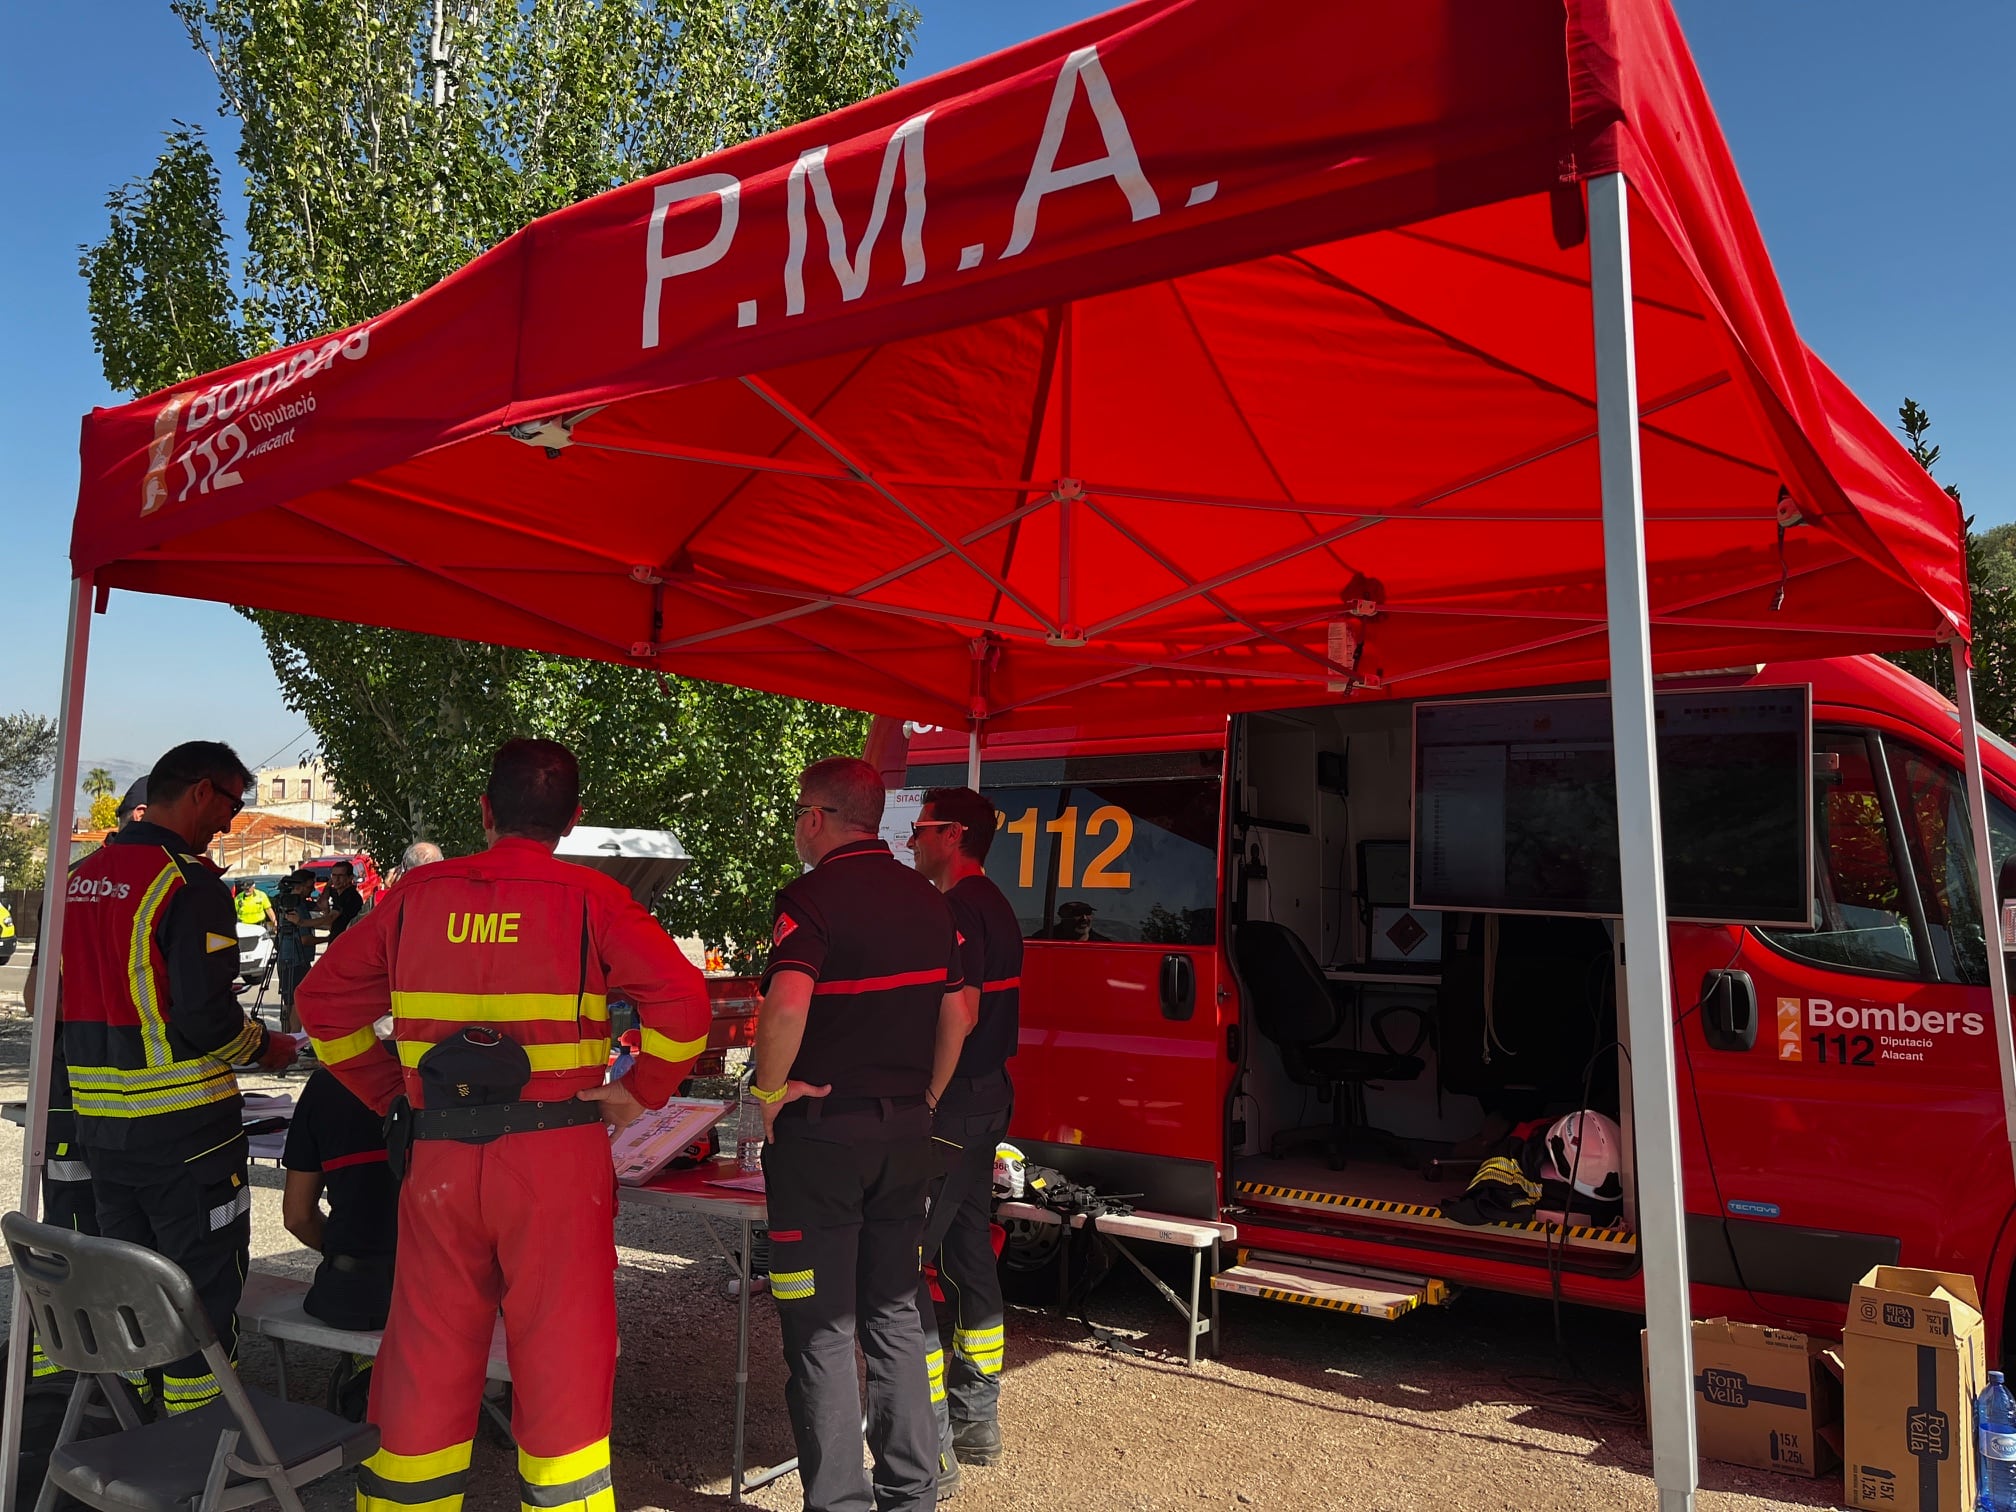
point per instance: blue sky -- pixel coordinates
(1876, 151)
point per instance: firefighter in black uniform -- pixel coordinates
(862, 1015)
(970, 1117)
(151, 1030)
(66, 1177)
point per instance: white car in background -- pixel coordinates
(256, 952)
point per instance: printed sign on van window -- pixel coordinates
(1128, 862)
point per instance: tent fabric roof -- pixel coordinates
(1174, 360)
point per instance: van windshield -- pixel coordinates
(1097, 861)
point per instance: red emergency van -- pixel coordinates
(1839, 1099)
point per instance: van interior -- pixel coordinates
(1393, 1049)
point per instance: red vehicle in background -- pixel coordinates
(369, 883)
(1855, 1118)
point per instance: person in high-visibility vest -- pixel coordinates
(151, 1029)
(498, 969)
(254, 907)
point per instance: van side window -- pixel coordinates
(1861, 918)
(1110, 862)
(1932, 804)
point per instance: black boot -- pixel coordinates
(977, 1441)
(948, 1477)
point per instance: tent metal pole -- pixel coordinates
(1985, 882)
(42, 1037)
(973, 758)
(1647, 968)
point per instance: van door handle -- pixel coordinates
(1728, 1010)
(1179, 988)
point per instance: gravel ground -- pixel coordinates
(1449, 1408)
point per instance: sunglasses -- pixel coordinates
(924, 824)
(237, 802)
(800, 810)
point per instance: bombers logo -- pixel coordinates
(1894, 1018)
(211, 462)
(93, 889)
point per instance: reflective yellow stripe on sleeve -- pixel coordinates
(665, 1048)
(349, 1047)
(243, 1047)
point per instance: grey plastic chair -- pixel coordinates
(103, 1307)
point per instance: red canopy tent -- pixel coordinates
(1195, 357)
(1132, 348)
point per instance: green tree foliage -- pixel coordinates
(384, 144)
(27, 756)
(98, 783)
(1991, 577)
(162, 308)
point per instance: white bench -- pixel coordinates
(1197, 1235)
(271, 1307)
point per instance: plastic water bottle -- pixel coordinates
(749, 1134)
(1995, 1436)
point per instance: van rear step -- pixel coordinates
(1373, 1294)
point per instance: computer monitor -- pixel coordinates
(1515, 805)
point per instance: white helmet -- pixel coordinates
(1587, 1150)
(1010, 1171)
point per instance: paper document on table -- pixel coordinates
(750, 1183)
(659, 1135)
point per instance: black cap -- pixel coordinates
(136, 796)
(478, 1067)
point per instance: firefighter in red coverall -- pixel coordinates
(505, 1203)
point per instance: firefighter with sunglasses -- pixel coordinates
(151, 1030)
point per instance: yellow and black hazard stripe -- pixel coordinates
(1431, 1292)
(1397, 1309)
(1622, 1237)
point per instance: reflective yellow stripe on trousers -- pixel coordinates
(431, 1482)
(981, 1347)
(577, 1482)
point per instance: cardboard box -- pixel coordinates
(1762, 1397)
(1915, 1357)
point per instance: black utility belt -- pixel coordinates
(980, 1082)
(493, 1120)
(828, 1107)
(362, 1265)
